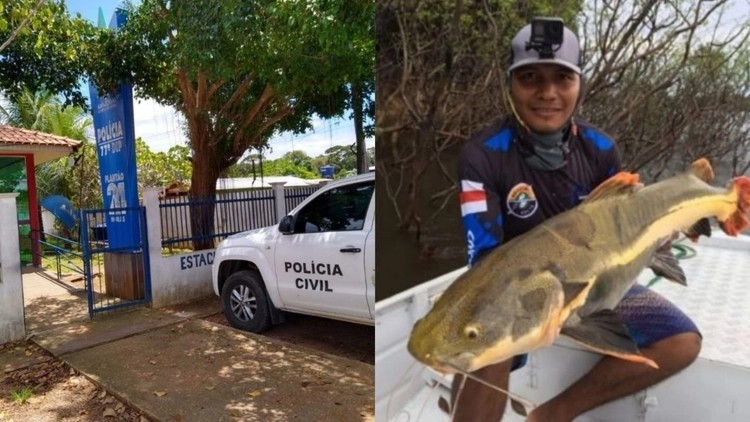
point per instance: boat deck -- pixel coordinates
(714, 388)
(717, 297)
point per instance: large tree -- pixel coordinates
(360, 89)
(239, 71)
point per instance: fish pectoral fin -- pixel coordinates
(604, 332)
(621, 183)
(664, 264)
(702, 227)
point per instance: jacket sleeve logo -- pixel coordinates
(522, 201)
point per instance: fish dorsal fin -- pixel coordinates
(701, 168)
(621, 183)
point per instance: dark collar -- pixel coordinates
(525, 142)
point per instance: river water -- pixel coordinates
(402, 261)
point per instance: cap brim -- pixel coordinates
(527, 62)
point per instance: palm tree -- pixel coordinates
(44, 112)
(28, 110)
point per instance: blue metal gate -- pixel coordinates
(116, 265)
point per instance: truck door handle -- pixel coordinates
(354, 250)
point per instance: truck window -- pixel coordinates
(340, 209)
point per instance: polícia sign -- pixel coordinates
(115, 146)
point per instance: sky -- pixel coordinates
(161, 127)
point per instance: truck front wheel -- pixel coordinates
(245, 302)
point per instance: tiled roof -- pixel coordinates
(10, 135)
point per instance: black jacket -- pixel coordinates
(502, 196)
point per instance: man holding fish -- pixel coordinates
(540, 162)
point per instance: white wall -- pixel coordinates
(181, 278)
(48, 222)
(12, 324)
(173, 281)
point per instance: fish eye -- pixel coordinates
(471, 332)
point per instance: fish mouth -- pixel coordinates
(421, 352)
(460, 363)
(445, 363)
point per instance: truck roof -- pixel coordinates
(351, 179)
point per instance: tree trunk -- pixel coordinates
(357, 107)
(202, 196)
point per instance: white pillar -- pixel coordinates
(12, 323)
(153, 230)
(278, 197)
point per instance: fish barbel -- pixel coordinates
(567, 274)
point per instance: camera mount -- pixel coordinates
(545, 33)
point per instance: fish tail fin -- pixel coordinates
(738, 220)
(701, 168)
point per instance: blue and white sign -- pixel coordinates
(115, 145)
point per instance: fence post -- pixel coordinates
(12, 323)
(278, 199)
(153, 230)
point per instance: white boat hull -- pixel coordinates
(714, 388)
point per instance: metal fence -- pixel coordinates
(294, 196)
(63, 255)
(115, 259)
(233, 212)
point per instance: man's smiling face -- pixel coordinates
(544, 95)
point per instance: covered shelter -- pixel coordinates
(21, 150)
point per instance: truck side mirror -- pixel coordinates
(286, 225)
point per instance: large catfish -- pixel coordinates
(567, 274)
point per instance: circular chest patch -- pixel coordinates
(521, 201)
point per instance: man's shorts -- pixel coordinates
(648, 316)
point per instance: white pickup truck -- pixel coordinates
(319, 260)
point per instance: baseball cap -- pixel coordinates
(568, 54)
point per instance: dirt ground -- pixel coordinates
(352, 341)
(54, 392)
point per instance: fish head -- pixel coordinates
(476, 323)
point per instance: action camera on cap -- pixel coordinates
(545, 32)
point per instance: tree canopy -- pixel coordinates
(300, 164)
(43, 47)
(239, 71)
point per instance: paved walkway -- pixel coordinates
(49, 303)
(173, 366)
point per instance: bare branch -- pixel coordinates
(20, 26)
